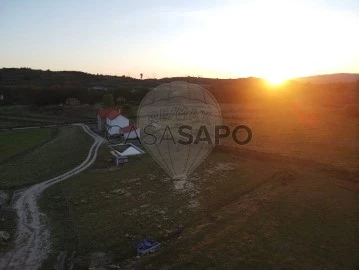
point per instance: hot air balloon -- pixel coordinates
(177, 125)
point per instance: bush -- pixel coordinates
(107, 100)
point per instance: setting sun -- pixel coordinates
(275, 81)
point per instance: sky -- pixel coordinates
(274, 39)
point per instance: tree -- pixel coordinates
(126, 109)
(141, 76)
(107, 100)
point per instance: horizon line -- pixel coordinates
(188, 76)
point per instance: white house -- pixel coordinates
(116, 124)
(115, 121)
(132, 150)
(127, 149)
(118, 158)
(130, 132)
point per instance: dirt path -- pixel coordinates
(31, 244)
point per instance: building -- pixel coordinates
(111, 120)
(101, 118)
(130, 132)
(127, 149)
(120, 152)
(118, 158)
(115, 121)
(72, 101)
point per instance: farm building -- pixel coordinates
(130, 132)
(127, 149)
(118, 158)
(113, 121)
(101, 118)
(72, 101)
(121, 152)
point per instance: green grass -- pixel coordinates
(51, 114)
(68, 149)
(239, 210)
(14, 143)
(8, 123)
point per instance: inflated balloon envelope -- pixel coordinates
(177, 125)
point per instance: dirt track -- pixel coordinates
(31, 244)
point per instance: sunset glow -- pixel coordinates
(275, 81)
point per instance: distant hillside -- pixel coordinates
(40, 87)
(48, 78)
(331, 78)
(28, 76)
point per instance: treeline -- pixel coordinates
(58, 95)
(27, 86)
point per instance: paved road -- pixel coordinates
(31, 244)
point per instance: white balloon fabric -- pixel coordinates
(177, 125)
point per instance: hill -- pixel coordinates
(331, 78)
(25, 86)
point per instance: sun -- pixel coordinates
(275, 80)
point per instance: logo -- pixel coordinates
(179, 125)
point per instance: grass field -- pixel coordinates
(18, 116)
(68, 149)
(287, 200)
(15, 143)
(10, 122)
(34, 155)
(321, 134)
(240, 209)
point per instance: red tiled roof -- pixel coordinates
(113, 114)
(104, 112)
(128, 128)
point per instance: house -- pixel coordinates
(121, 152)
(130, 132)
(118, 158)
(101, 118)
(72, 101)
(115, 121)
(111, 120)
(132, 150)
(127, 149)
